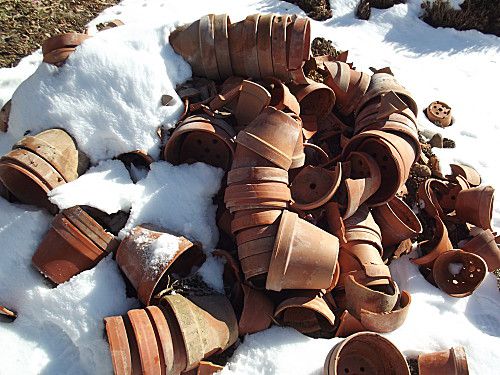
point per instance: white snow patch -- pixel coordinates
(107, 187)
(211, 271)
(154, 255)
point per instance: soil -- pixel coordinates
(24, 24)
(318, 10)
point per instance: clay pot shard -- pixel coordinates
(74, 243)
(432, 248)
(252, 100)
(475, 206)
(447, 362)
(388, 321)
(137, 163)
(439, 113)
(485, 245)
(58, 48)
(365, 352)
(257, 311)
(304, 256)
(4, 116)
(148, 273)
(281, 97)
(7, 315)
(459, 273)
(472, 176)
(314, 186)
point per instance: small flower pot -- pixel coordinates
(362, 228)
(462, 284)
(397, 222)
(365, 352)
(246, 158)
(298, 42)
(437, 245)
(484, 244)
(281, 97)
(472, 176)
(475, 206)
(254, 233)
(314, 98)
(257, 174)
(201, 138)
(74, 243)
(314, 186)
(273, 135)
(304, 256)
(447, 362)
(221, 24)
(147, 274)
(254, 220)
(257, 311)
(439, 113)
(252, 100)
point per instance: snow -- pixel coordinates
(157, 253)
(107, 96)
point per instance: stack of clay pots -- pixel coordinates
(40, 163)
(58, 48)
(173, 337)
(74, 243)
(261, 45)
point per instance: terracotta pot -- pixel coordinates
(58, 48)
(382, 83)
(246, 158)
(281, 97)
(208, 368)
(207, 47)
(349, 85)
(446, 362)
(185, 41)
(432, 248)
(298, 157)
(243, 47)
(315, 155)
(314, 186)
(148, 278)
(7, 315)
(255, 267)
(74, 243)
(362, 228)
(256, 193)
(304, 256)
(397, 222)
(314, 99)
(475, 206)
(472, 176)
(427, 193)
(388, 321)
(252, 100)
(365, 352)
(257, 174)
(257, 204)
(138, 158)
(4, 116)
(298, 42)
(273, 135)
(264, 41)
(484, 244)
(348, 325)
(360, 297)
(254, 220)
(439, 113)
(201, 138)
(207, 324)
(221, 24)
(257, 311)
(462, 284)
(307, 312)
(255, 247)
(255, 233)
(278, 46)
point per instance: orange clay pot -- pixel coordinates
(475, 206)
(257, 311)
(432, 248)
(252, 100)
(257, 174)
(472, 176)
(484, 245)
(446, 362)
(221, 23)
(281, 97)
(58, 48)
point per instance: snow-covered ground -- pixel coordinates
(108, 96)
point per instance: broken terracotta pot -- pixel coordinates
(208, 368)
(447, 362)
(307, 312)
(58, 48)
(472, 176)
(471, 269)
(298, 157)
(387, 321)
(439, 113)
(348, 84)
(304, 256)
(475, 206)
(201, 138)
(74, 243)
(382, 83)
(4, 116)
(134, 256)
(257, 311)
(439, 243)
(484, 245)
(365, 352)
(314, 186)
(272, 135)
(7, 315)
(252, 100)
(137, 163)
(397, 222)
(281, 97)
(315, 98)
(348, 325)
(257, 174)
(185, 41)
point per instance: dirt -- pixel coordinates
(25, 24)
(318, 10)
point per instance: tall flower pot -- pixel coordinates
(201, 138)
(475, 206)
(304, 256)
(447, 362)
(397, 222)
(273, 135)
(484, 245)
(147, 272)
(365, 352)
(74, 243)
(471, 274)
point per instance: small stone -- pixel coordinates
(436, 140)
(166, 100)
(421, 170)
(448, 143)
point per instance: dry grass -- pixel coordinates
(24, 24)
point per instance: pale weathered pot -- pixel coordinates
(484, 245)
(365, 352)
(475, 206)
(134, 258)
(304, 256)
(74, 243)
(446, 362)
(471, 274)
(439, 113)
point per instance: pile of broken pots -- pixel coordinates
(311, 211)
